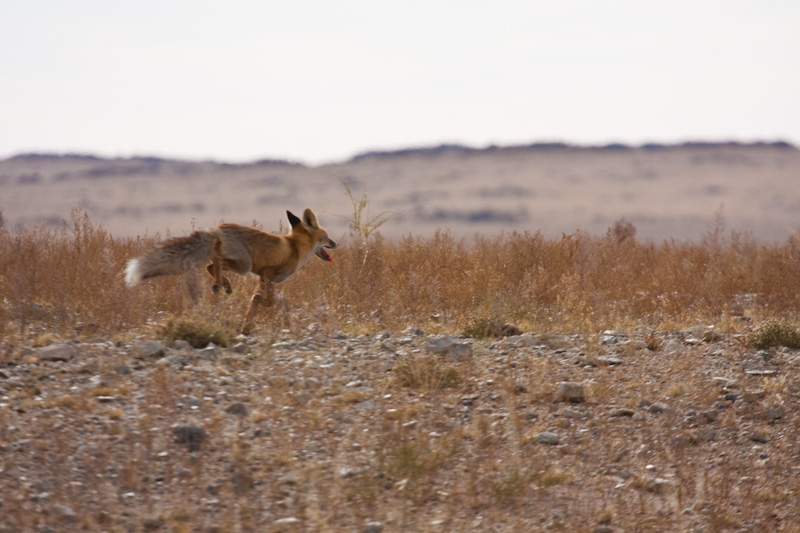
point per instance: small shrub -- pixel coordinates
(198, 332)
(776, 333)
(621, 230)
(484, 328)
(425, 372)
(490, 328)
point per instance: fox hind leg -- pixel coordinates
(263, 298)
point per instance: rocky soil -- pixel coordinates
(402, 431)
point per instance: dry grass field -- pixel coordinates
(510, 382)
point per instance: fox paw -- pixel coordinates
(215, 289)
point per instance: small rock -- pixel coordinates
(367, 405)
(547, 437)
(760, 372)
(287, 521)
(238, 409)
(151, 524)
(610, 360)
(123, 370)
(241, 347)
(774, 412)
(177, 360)
(570, 392)
(209, 353)
(725, 383)
(712, 336)
(180, 344)
(373, 527)
(193, 436)
(573, 414)
(150, 349)
(58, 352)
(622, 412)
(657, 408)
(609, 339)
(449, 348)
(64, 513)
(658, 485)
(302, 398)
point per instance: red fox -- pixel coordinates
(240, 249)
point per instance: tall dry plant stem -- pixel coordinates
(361, 224)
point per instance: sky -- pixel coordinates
(317, 81)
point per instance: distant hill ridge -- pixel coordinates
(425, 151)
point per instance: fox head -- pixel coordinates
(309, 226)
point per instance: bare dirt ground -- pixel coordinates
(667, 192)
(408, 431)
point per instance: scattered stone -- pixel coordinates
(547, 437)
(725, 383)
(622, 412)
(711, 335)
(287, 521)
(570, 392)
(302, 398)
(373, 527)
(760, 372)
(450, 349)
(123, 370)
(58, 352)
(241, 347)
(610, 360)
(367, 405)
(657, 408)
(609, 339)
(177, 360)
(150, 349)
(183, 345)
(152, 524)
(209, 353)
(658, 485)
(192, 436)
(238, 409)
(773, 413)
(64, 513)
(573, 414)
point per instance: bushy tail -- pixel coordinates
(174, 256)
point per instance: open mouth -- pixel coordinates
(325, 256)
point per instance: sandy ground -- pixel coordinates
(671, 192)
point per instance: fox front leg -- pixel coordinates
(215, 271)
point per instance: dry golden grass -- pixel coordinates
(69, 282)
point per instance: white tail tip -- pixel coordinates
(132, 273)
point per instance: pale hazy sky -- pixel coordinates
(321, 80)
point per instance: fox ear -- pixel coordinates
(310, 219)
(293, 220)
